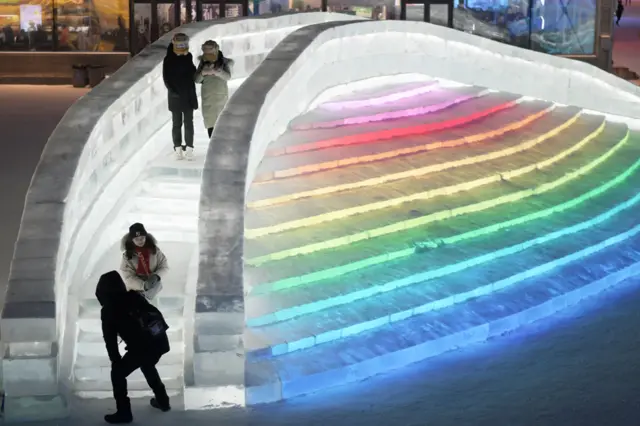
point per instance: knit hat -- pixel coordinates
(137, 230)
(180, 43)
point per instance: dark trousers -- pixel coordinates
(210, 131)
(130, 363)
(178, 119)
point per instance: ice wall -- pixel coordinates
(97, 149)
(304, 65)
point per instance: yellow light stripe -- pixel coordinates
(413, 223)
(447, 190)
(418, 171)
(334, 164)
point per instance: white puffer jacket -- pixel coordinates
(157, 265)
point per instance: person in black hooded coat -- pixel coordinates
(178, 72)
(143, 352)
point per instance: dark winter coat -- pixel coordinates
(116, 302)
(178, 73)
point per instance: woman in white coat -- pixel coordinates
(213, 73)
(143, 263)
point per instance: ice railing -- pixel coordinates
(321, 57)
(99, 147)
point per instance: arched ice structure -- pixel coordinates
(107, 164)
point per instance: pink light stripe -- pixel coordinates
(391, 115)
(381, 100)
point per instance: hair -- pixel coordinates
(219, 61)
(129, 247)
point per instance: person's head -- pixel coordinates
(138, 234)
(110, 288)
(138, 238)
(180, 44)
(210, 50)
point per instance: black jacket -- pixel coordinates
(116, 302)
(178, 73)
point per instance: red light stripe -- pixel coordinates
(388, 134)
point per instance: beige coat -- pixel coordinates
(215, 91)
(157, 265)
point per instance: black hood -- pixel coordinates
(110, 288)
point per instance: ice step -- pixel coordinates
(432, 333)
(515, 260)
(168, 305)
(177, 236)
(179, 207)
(163, 220)
(99, 378)
(92, 344)
(174, 388)
(88, 362)
(174, 189)
(94, 325)
(191, 173)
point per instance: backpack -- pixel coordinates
(149, 319)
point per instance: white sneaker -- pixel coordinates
(189, 154)
(178, 152)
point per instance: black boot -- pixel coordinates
(122, 415)
(161, 403)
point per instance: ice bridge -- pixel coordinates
(375, 193)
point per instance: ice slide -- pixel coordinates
(355, 215)
(397, 209)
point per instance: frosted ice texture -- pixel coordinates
(96, 152)
(337, 54)
(99, 149)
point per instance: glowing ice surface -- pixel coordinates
(371, 246)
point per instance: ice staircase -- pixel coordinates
(394, 224)
(166, 201)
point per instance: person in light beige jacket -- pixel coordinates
(142, 261)
(213, 73)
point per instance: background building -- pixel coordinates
(41, 40)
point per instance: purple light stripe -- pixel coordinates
(381, 100)
(391, 115)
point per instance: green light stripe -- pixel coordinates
(387, 257)
(412, 223)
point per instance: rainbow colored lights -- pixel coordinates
(387, 134)
(492, 212)
(391, 115)
(381, 100)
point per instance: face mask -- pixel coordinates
(139, 241)
(180, 48)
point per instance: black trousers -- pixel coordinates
(130, 362)
(178, 118)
